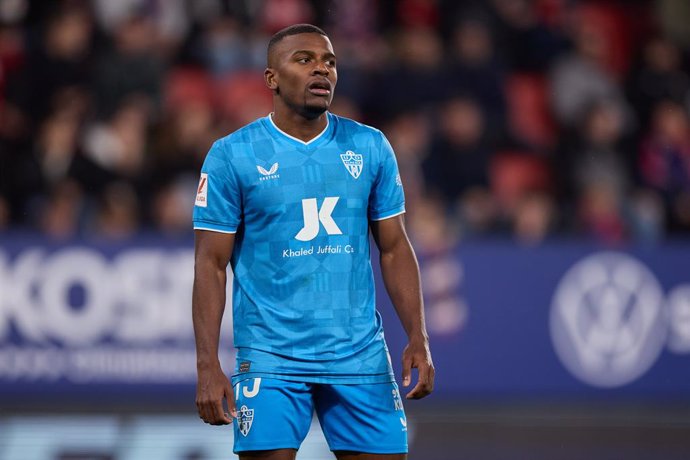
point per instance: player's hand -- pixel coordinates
(417, 355)
(212, 388)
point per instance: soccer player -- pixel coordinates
(289, 201)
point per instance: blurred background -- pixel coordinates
(544, 146)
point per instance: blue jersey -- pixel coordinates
(303, 289)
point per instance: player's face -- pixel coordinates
(303, 73)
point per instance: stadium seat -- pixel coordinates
(529, 118)
(512, 174)
(185, 86)
(243, 96)
(613, 24)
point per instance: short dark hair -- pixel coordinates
(294, 29)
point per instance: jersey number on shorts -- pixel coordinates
(246, 391)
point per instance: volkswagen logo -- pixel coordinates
(607, 319)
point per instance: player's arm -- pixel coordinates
(212, 252)
(401, 277)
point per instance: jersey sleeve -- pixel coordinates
(218, 204)
(387, 198)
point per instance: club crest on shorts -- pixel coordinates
(245, 416)
(353, 162)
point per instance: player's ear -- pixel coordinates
(270, 78)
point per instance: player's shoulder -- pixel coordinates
(238, 143)
(349, 127)
(362, 138)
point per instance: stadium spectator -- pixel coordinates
(132, 66)
(660, 76)
(474, 70)
(596, 171)
(456, 169)
(665, 161)
(535, 218)
(59, 61)
(596, 151)
(409, 133)
(524, 41)
(116, 149)
(117, 216)
(224, 47)
(582, 77)
(416, 72)
(61, 210)
(4, 213)
(172, 206)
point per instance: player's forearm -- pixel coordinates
(401, 278)
(208, 305)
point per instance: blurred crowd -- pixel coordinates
(522, 119)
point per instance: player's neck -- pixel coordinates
(304, 129)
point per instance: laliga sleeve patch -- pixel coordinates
(202, 191)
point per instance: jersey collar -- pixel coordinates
(311, 142)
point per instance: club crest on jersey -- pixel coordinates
(353, 162)
(245, 417)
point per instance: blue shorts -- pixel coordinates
(277, 414)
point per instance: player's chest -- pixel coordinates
(290, 177)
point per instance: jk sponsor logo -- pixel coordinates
(315, 217)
